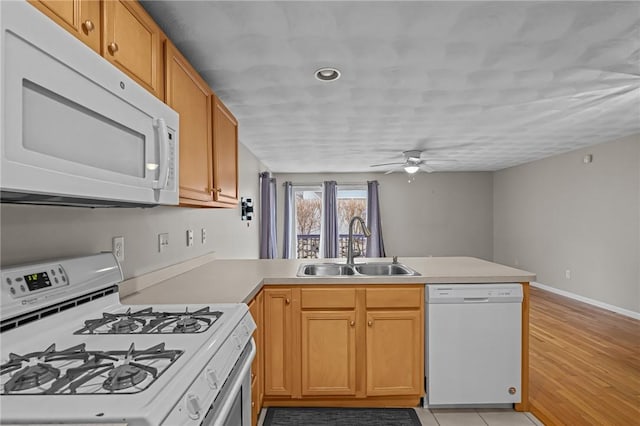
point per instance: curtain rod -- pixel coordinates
(320, 183)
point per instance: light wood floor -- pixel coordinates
(584, 363)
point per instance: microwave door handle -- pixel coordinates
(161, 125)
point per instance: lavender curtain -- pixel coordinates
(329, 228)
(375, 245)
(289, 218)
(268, 247)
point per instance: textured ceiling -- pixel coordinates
(490, 84)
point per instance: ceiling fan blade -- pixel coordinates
(438, 160)
(385, 164)
(426, 168)
(393, 169)
(445, 147)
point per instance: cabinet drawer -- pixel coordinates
(392, 297)
(323, 298)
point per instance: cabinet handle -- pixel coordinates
(370, 323)
(88, 26)
(113, 47)
(352, 323)
(287, 301)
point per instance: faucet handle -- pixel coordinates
(395, 259)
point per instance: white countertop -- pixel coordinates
(210, 280)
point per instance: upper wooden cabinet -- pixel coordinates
(80, 17)
(225, 153)
(189, 95)
(132, 42)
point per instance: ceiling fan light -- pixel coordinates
(411, 169)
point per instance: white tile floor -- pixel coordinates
(468, 417)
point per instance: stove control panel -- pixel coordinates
(25, 282)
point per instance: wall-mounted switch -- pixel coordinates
(189, 237)
(117, 247)
(163, 242)
(203, 234)
(567, 274)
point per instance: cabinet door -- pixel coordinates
(189, 95)
(80, 17)
(328, 353)
(278, 336)
(225, 154)
(131, 41)
(256, 308)
(394, 353)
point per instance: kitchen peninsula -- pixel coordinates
(292, 312)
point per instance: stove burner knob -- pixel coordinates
(193, 406)
(211, 377)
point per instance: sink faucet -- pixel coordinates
(366, 232)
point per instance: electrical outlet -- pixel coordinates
(189, 237)
(567, 274)
(203, 234)
(117, 247)
(163, 242)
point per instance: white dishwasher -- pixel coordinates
(473, 344)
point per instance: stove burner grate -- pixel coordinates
(86, 372)
(146, 321)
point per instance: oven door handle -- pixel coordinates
(221, 415)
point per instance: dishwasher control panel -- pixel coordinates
(474, 293)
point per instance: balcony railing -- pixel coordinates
(308, 246)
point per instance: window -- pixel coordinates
(308, 209)
(352, 201)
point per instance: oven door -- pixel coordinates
(232, 407)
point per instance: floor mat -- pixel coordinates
(290, 416)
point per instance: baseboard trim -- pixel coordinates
(599, 304)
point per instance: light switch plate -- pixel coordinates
(189, 237)
(163, 242)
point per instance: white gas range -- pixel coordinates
(71, 353)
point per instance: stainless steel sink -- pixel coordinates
(325, 269)
(367, 269)
(383, 268)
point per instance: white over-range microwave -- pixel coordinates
(74, 129)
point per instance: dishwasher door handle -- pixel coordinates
(476, 299)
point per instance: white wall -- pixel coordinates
(31, 233)
(560, 214)
(439, 214)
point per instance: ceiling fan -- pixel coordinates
(413, 162)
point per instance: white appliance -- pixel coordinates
(71, 353)
(74, 129)
(474, 345)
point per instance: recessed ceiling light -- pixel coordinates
(328, 74)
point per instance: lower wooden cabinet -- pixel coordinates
(257, 376)
(328, 352)
(394, 353)
(278, 342)
(344, 345)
